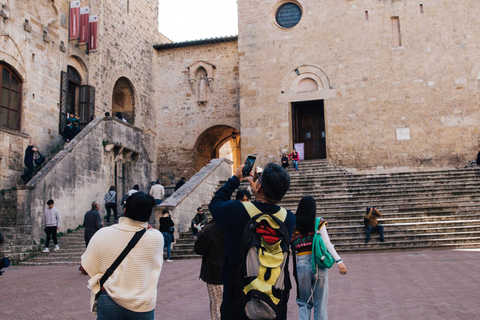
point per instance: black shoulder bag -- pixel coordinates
(116, 263)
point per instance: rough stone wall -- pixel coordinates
(429, 84)
(181, 118)
(83, 172)
(196, 192)
(125, 40)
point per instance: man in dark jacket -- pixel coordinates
(199, 221)
(180, 183)
(232, 217)
(28, 161)
(211, 245)
(92, 222)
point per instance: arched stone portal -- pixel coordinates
(209, 146)
(123, 99)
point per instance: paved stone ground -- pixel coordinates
(424, 285)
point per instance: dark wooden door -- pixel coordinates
(309, 128)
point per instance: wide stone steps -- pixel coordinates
(420, 210)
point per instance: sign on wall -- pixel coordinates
(74, 25)
(300, 147)
(403, 134)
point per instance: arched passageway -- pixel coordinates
(123, 99)
(217, 142)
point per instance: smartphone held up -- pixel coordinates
(249, 163)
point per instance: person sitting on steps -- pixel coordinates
(371, 223)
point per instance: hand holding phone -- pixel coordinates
(249, 163)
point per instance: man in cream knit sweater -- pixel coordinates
(131, 291)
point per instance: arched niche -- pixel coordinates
(304, 76)
(123, 99)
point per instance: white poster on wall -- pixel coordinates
(300, 150)
(403, 134)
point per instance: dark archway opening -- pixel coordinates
(217, 142)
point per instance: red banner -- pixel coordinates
(84, 25)
(92, 43)
(74, 26)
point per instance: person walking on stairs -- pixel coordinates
(53, 223)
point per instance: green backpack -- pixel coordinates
(320, 255)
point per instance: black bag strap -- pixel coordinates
(122, 256)
(38, 151)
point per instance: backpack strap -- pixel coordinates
(253, 211)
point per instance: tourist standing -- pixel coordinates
(131, 290)
(167, 229)
(53, 223)
(92, 222)
(312, 288)
(111, 204)
(210, 244)
(232, 216)
(157, 192)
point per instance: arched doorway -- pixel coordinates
(123, 99)
(217, 142)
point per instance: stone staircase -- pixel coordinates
(421, 210)
(72, 246)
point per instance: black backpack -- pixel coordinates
(264, 256)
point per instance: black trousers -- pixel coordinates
(51, 231)
(109, 211)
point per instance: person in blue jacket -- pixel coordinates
(232, 217)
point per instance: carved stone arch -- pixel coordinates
(78, 64)
(207, 66)
(306, 71)
(12, 55)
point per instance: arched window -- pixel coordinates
(10, 98)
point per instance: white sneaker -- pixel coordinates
(56, 248)
(169, 260)
(45, 250)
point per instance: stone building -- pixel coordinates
(45, 75)
(366, 84)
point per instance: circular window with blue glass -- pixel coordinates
(288, 15)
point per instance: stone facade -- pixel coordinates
(195, 123)
(371, 85)
(34, 45)
(385, 105)
(105, 153)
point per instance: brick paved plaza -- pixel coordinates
(423, 285)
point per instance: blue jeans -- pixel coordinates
(308, 284)
(158, 201)
(295, 164)
(110, 310)
(378, 228)
(167, 242)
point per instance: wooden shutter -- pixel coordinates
(63, 101)
(86, 104)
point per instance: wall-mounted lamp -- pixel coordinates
(297, 72)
